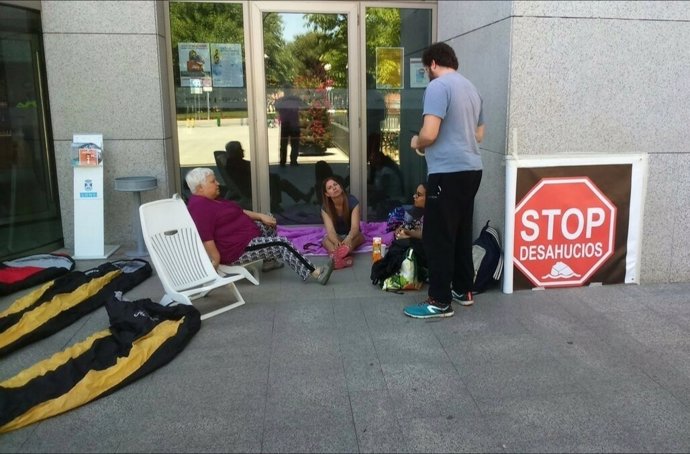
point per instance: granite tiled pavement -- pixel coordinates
(308, 368)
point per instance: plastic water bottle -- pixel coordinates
(376, 249)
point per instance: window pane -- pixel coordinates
(29, 208)
(395, 37)
(307, 106)
(211, 94)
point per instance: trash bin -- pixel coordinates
(135, 185)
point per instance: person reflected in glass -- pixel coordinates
(386, 185)
(288, 107)
(341, 214)
(376, 113)
(239, 170)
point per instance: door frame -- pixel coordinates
(256, 86)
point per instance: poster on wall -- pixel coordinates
(226, 65)
(418, 77)
(389, 67)
(87, 150)
(573, 221)
(194, 62)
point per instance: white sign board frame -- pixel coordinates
(637, 195)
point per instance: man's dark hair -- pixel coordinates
(442, 54)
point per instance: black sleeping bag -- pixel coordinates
(28, 271)
(143, 336)
(59, 303)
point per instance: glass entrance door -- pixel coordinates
(395, 38)
(29, 207)
(306, 84)
(276, 95)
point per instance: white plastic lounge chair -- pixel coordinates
(179, 257)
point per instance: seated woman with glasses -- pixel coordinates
(409, 234)
(341, 215)
(412, 227)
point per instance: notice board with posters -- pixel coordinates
(573, 221)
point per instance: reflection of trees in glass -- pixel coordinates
(389, 62)
(279, 62)
(307, 50)
(313, 83)
(321, 56)
(382, 30)
(204, 23)
(223, 23)
(331, 33)
(315, 119)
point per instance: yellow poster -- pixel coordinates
(389, 67)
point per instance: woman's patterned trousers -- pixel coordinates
(269, 246)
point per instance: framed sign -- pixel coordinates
(573, 221)
(226, 65)
(389, 67)
(194, 62)
(418, 76)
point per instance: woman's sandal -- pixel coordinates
(341, 257)
(340, 263)
(325, 273)
(342, 251)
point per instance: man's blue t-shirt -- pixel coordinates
(454, 99)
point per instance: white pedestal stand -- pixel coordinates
(88, 215)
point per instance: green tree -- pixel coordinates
(331, 30)
(279, 63)
(307, 51)
(382, 30)
(204, 23)
(224, 23)
(313, 82)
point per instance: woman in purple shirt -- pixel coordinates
(232, 235)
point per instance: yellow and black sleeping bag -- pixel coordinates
(60, 302)
(26, 272)
(142, 337)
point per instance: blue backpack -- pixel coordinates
(396, 218)
(487, 256)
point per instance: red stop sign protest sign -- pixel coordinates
(564, 231)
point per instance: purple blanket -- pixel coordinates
(307, 240)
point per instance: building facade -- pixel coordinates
(596, 78)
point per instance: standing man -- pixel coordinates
(452, 128)
(288, 107)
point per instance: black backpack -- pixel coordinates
(488, 259)
(390, 263)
